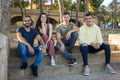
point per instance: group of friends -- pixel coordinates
(89, 34)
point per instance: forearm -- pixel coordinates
(49, 38)
(60, 41)
(50, 32)
(41, 41)
(74, 29)
(22, 40)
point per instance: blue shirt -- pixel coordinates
(28, 36)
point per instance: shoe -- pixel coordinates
(34, 70)
(53, 62)
(109, 69)
(24, 65)
(45, 54)
(86, 71)
(72, 62)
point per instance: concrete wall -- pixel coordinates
(4, 14)
(4, 50)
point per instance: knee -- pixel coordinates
(45, 37)
(58, 45)
(83, 46)
(51, 41)
(21, 46)
(106, 44)
(75, 34)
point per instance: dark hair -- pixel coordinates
(29, 17)
(88, 14)
(66, 13)
(38, 23)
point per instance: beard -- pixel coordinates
(27, 25)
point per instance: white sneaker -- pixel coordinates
(86, 71)
(53, 62)
(109, 69)
(45, 54)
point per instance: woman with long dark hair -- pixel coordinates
(45, 30)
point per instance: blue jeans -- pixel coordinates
(89, 49)
(23, 52)
(69, 43)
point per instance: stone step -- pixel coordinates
(60, 59)
(17, 74)
(95, 61)
(13, 50)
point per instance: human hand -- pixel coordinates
(62, 48)
(68, 35)
(31, 50)
(43, 24)
(95, 45)
(43, 50)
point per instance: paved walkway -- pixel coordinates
(92, 76)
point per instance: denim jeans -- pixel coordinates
(69, 43)
(89, 49)
(23, 52)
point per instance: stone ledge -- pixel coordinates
(114, 39)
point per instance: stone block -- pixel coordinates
(114, 39)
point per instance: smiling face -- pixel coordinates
(27, 21)
(43, 18)
(89, 20)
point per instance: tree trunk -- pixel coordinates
(77, 10)
(87, 6)
(115, 13)
(51, 4)
(61, 8)
(12, 2)
(31, 4)
(41, 6)
(21, 8)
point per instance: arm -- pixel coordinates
(22, 40)
(58, 36)
(41, 42)
(99, 40)
(74, 29)
(50, 32)
(99, 37)
(82, 36)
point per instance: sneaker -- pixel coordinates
(86, 71)
(53, 62)
(109, 69)
(24, 65)
(72, 61)
(45, 54)
(34, 70)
